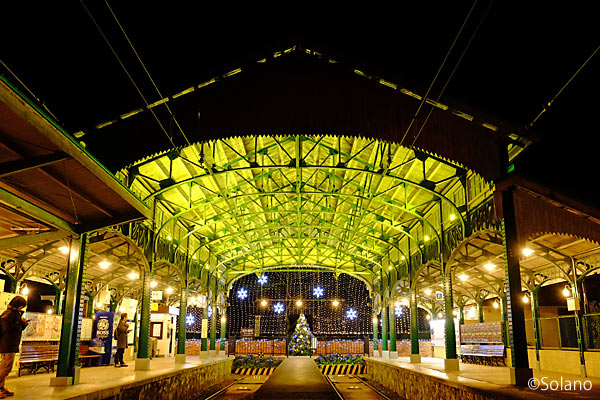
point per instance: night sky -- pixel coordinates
(520, 57)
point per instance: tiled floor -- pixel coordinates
(497, 378)
(95, 378)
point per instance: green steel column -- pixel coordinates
(67, 371)
(375, 333)
(461, 314)
(392, 315)
(384, 331)
(535, 318)
(90, 310)
(144, 337)
(58, 302)
(10, 285)
(480, 310)
(213, 330)
(414, 326)
(223, 328)
(577, 292)
(181, 337)
(203, 339)
(504, 313)
(520, 371)
(451, 362)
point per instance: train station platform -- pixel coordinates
(429, 380)
(296, 378)
(164, 380)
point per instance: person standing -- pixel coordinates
(12, 325)
(121, 335)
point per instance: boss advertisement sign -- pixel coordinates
(103, 330)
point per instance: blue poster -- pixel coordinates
(103, 330)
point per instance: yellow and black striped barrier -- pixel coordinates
(342, 369)
(254, 371)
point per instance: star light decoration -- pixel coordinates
(318, 292)
(189, 319)
(263, 279)
(242, 293)
(209, 311)
(398, 311)
(351, 314)
(278, 308)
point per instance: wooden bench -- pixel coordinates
(86, 358)
(34, 357)
(488, 354)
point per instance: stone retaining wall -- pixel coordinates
(411, 385)
(182, 384)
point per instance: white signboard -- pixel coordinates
(157, 295)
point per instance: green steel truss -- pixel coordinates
(347, 204)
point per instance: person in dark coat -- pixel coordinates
(12, 325)
(121, 335)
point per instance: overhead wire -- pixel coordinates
(424, 98)
(441, 93)
(29, 90)
(127, 73)
(146, 70)
(549, 104)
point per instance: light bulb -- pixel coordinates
(50, 311)
(104, 264)
(452, 217)
(495, 304)
(335, 303)
(427, 292)
(440, 315)
(169, 290)
(153, 284)
(525, 298)
(264, 303)
(426, 238)
(527, 251)
(489, 266)
(223, 319)
(567, 291)
(463, 277)
(427, 317)
(25, 290)
(63, 249)
(299, 303)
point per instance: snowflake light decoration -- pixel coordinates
(318, 292)
(278, 308)
(189, 319)
(263, 279)
(398, 311)
(242, 293)
(209, 311)
(351, 314)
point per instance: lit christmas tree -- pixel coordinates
(300, 342)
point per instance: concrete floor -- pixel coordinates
(496, 378)
(296, 378)
(93, 379)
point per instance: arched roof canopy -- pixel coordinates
(347, 204)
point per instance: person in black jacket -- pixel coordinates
(12, 325)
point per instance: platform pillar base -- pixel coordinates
(142, 364)
(393, 354)
(451, 364)
(520, 376)
(180, 359)
(415, 358)
(385, 354)
(204, 354)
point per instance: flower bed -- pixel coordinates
(339, 364)
(250, 365)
